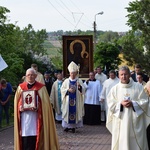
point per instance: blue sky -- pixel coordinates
(68, 15)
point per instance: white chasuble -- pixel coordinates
(127, 125)
(79, 101)
(54, 97)
(107, 85)
(101, 77)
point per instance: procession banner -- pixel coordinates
(3, 64)
(78, 49)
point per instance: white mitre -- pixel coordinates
(72, 67)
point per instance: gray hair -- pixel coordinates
(124, 68)
(31, 70)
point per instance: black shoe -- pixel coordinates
(59, 122)
(73, 130)
(66, 130)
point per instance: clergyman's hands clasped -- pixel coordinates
(126, 103)
(71, 90)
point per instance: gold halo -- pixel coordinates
(83, 48)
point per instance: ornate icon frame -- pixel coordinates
(78, 48)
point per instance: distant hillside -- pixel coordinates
(56, 43)
(53, 48)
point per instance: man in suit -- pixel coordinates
(48, 82)
(138, 69)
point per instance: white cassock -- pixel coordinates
(127, 125)
(107, 85)
(92, 103)
(143, 83)
(93, 90)
(101, 77)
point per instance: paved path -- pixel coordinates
(86, 138)
(7, 139)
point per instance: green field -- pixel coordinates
(55, 53)
(52, 51)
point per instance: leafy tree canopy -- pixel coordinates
(20, 48)
(106, 56)
(108, 36)
(136, 43)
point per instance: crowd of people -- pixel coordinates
(121, 100)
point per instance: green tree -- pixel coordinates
(8, 41)
(106, 55)
(33, 40)
(136, 43)
(58, 60)
(132, 49)
(20, 48)
(3, 16)
(139, 20)
(108, 36)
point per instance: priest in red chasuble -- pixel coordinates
(34, 127)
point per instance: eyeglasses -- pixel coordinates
(28, 75)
